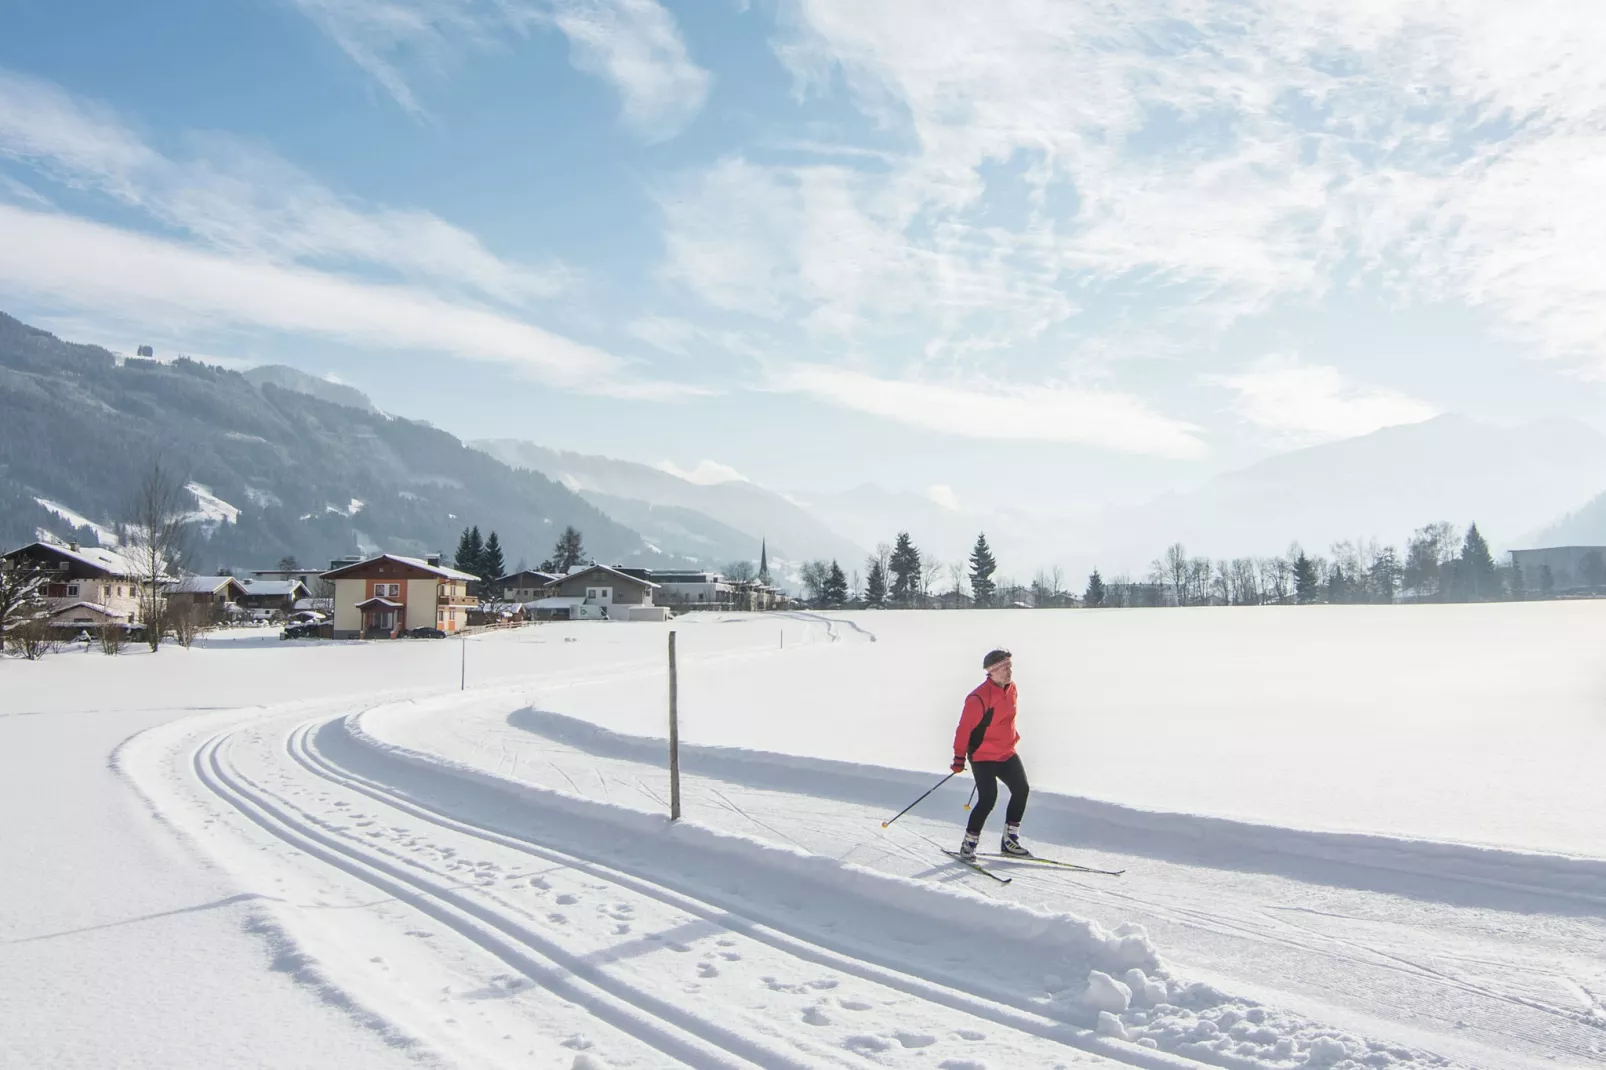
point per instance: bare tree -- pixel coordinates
(1056, 585)
(112, 636)
(741, 571)
(159, 531)
(959, 576)
(814, 574)
(33, 638)
(187, 619)
(1221, 583)
(21, 595)
(931, 571)
(1174, 570)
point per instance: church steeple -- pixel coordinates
(764, 561)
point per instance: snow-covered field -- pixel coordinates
(1352, 838)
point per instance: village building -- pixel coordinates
(524, 586)
(278, 597)
(218, 596)
(598, 592)
(85, 586)
(683, 590)
(389, 595)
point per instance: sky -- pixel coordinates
(1022, 254)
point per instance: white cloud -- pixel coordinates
(1030, 414)
(1315, 403)
(243, 200)
(1179, 164)
(705, 472)
(172, 287)
(944, 496)
(634, 45)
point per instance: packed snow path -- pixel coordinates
(476, 883)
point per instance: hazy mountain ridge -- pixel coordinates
(792, 532)
(311, 478)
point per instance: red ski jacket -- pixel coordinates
(987, 725)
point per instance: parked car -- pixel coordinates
(306, 616)
(427, 633)
(304, 629)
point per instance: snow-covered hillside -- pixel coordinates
(378, 868)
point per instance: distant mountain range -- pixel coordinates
(279, 471)
(718, 522)
(287, 463)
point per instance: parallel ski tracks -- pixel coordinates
(650, 1019)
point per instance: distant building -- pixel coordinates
(525, 586)
(276, 596)
(85, 586)
(1570, 569)
(215, 594)
(144, 351)
(600, 591)
(682, 590)
(385, 596)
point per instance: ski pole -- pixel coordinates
(972, 797)
(918, 801)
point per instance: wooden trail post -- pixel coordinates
(674, 737)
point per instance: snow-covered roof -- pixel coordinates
(199, 584)
(612, 572)
(415, 562)
(555, 603)
(274, 588)
(377, 601)
(98, 557)
(105, 611)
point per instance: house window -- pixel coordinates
(72, 590)
(387, 590)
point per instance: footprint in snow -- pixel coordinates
(854, 1005)
(915, 1040)
(707, 969)
(557, 919)
(961, 1064)
(422, 934)
(539, 882)
(865, 1043)
(726, 942)
(815, 1016)
(567, 900)
(730, 956)
(822, 984)
(621, 929)
(970, 1034)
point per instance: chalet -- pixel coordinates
(276, 596)
(525, 586)
(388, 595)
(686, 590)
(85, 586)
(213, 593)
(599, 591)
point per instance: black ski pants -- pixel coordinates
(987, 775)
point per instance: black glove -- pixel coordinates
(959, 763)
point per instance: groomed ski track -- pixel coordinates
(612, 1016)
(827, 954)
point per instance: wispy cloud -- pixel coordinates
(944, 496)
(705, 472)
(1068, 170)
(1030, 414)
(634, 45)
(241, 199)
(1307, 403)
(140, 279)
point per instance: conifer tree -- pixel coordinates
(982, 567)
(875, 587)
(905, 567)
(834, 591)
(1094, 595)
(492, 566)
(568, 552)
(469, 549)
(1306, 582)
(1475, 569)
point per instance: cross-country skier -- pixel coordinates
(987, 736)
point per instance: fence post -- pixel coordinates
(674, 736)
